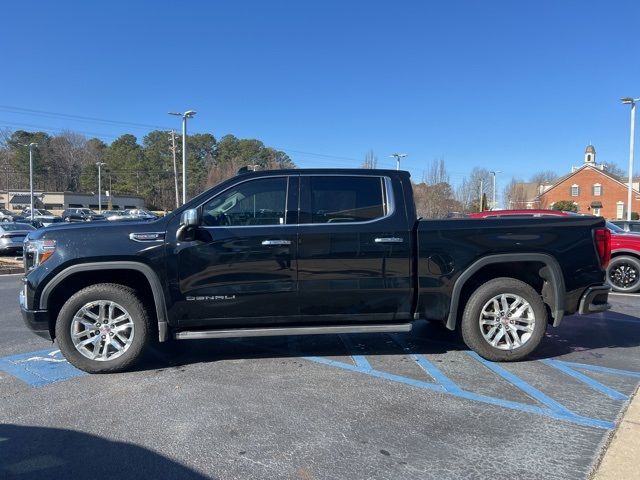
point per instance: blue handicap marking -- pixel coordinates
(40, 368)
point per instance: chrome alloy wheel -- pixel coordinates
(623, 275)
(102, 330)
(507, 321)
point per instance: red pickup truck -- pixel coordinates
(623, 272)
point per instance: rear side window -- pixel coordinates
(335, 199)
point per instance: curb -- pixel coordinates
(619, 459)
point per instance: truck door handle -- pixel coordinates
(276, 242)
(389, 240)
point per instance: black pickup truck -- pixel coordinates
(298, 252)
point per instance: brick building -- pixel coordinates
(590, 187)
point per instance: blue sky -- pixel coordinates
(509, 85)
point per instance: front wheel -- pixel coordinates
(623, 274)
(504, 320)
(103, 328)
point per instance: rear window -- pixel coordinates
(337, 199)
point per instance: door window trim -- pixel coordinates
(388, 199)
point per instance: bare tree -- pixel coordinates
(468, 193)
(545, 177)
(370, 160)
(434, 196)
(515, 194)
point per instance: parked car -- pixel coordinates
(45, 217)
(629, 226)
(132, 214)
(291, 252)
(8, 215)
(12, 236)
(81, 215)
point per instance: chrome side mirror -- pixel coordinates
(189, 220)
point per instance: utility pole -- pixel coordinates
(100, 165)
(31, 145)
(175, 168)
(480, 204)
(493, 204)
(398, 156)
(185, 116)
(632, 102)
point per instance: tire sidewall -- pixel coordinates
(624, 259)
(470, 326)
(111, 292)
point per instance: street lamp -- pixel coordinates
(185, 115)
(398, 156)
(493, 204)
(31, 145)
(632, 102)
(100, 165)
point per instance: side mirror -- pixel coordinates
(188, 221)
(189, 218)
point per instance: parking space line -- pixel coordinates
(608, 391)
(599, 369)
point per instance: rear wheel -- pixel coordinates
(504, 320)
(623, 274)
(103, 328)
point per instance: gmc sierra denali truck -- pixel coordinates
(298, 252)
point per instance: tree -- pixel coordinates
(468, 193)
(615, 171)
(565, 206)
(370, 160)
(515, 195)
(434, 196)
(545, 177)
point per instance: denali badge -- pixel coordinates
(210, 297)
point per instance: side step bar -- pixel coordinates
(275, 331)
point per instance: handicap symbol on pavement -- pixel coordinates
(40, 368)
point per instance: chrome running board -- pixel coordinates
(275, 331)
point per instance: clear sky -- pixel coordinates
(516, 86)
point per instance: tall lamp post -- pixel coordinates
(630, 101)
(31, 145)
(100, 165)
(185, 115)
(398, 156)
(493, 203)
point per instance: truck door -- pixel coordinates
(241, 267)
(354, 252)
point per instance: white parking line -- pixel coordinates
(632, 295)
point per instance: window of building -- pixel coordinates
(619, 210)
(75, 205)
(575, 190)
(337, 199)
(256, 202)
(597, 190)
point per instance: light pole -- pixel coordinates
(185, 115)
(632, 102)
(398, 156)
(100, 165)
(493, 203)
(31, 145)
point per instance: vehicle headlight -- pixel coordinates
(37, 252)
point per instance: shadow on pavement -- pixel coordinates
(576, 333)
(38, 453)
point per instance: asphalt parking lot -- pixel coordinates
(404, 406)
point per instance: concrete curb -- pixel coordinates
(620, 457)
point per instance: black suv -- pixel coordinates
(81, 215)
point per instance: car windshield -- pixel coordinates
(12, 227)
(5, 211)
(614, 228)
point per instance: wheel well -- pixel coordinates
(534, 274)
(626, 254)
(77, 281)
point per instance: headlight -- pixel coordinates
(37, 252)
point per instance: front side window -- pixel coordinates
(597, 190)
(575, 190)
(256, 202)
(337, 199)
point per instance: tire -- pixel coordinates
(85, 313)
(6, 219)
(510, 343)
(623, 274)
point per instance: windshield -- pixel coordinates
(5, 211)
(12, 227)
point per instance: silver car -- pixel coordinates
(12, 235)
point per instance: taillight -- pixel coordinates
(602, 237)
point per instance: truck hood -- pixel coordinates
(101, 229)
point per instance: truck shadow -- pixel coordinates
(592, 333)
(39, 453)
